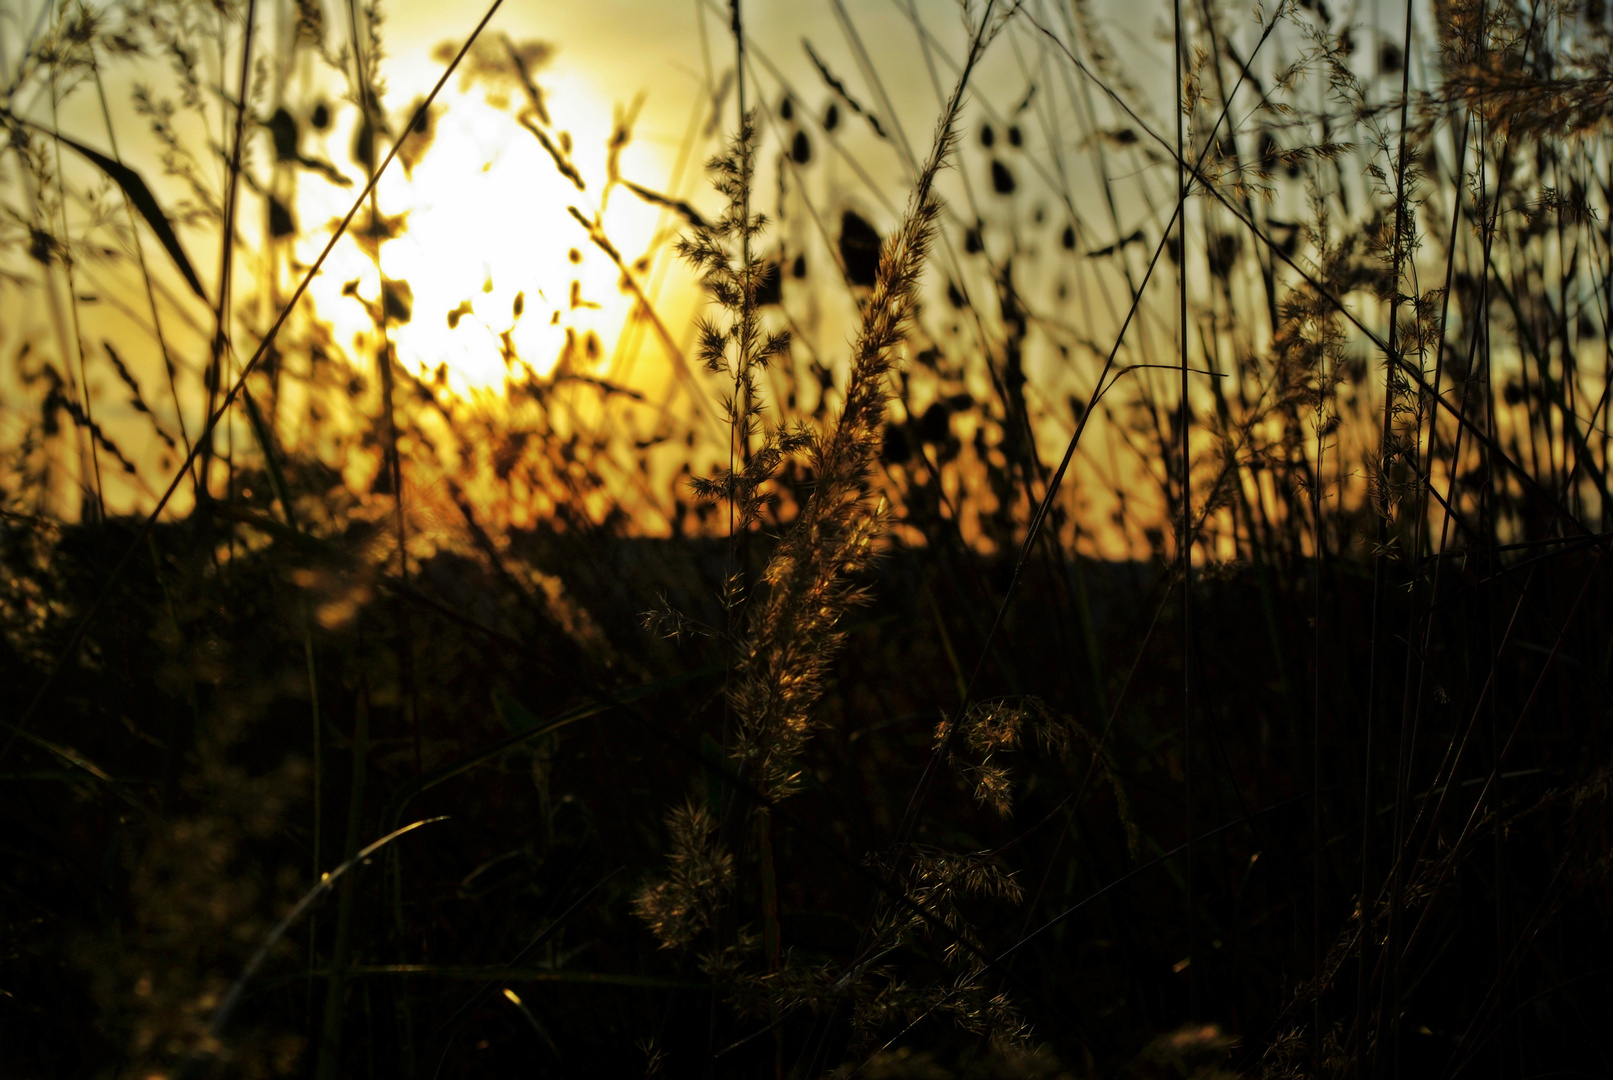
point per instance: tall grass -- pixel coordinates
(1167, 638)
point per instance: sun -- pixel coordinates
(493, 276)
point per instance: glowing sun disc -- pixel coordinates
(487, 238)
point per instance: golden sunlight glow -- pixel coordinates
(488, 248)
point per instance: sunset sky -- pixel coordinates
(488, 244)
(489, 204)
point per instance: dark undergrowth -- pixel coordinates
(134, 898)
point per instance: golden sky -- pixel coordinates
(488, 206)
(491, 248)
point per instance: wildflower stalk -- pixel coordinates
(793, 629)
(140, 257)
(794, 632)
(328, 1059)
(1185, 543)
(221, 303)
(72, 307)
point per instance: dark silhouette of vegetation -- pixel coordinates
(1169, 637)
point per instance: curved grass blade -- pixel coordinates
(140, 197)
(205, 1053)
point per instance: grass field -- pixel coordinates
(990, 539)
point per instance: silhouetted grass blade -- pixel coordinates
(140, 197)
